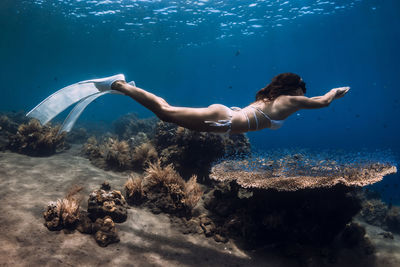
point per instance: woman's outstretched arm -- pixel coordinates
(302, 102)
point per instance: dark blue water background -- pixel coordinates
(196, 53)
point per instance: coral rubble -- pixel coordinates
(36, 140)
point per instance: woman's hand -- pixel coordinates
(340, 91)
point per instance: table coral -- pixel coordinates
(289, 178)
(293, 199)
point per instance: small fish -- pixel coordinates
(237, 53)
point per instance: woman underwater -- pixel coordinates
(274, 103)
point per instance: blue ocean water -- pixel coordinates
(196, 53)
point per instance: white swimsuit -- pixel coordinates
(275, 124)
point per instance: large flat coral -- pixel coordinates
(293, 176)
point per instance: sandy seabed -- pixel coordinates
(27, 184)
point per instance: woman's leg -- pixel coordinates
(192, 118)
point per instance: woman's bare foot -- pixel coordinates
(120, 86)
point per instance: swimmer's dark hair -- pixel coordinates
(282, 84)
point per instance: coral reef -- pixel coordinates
(143, 141)
(77, 136)
(104, 202)
(9, 123)
(129, 126)
(393, 219)
(36, 140)
(374, 211)
(354, 236)
(65, 212)
(138, 139)
(111, 154)
(186, 149)
(288, 201)
(163, 189)
(143, 155)
(116, 155)
(259, 217)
